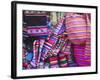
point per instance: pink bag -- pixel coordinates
(76, 28)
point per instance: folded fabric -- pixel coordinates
(48, 45)
(53, 61)
(63, 62)
(59, 28)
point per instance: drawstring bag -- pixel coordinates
(78, 28)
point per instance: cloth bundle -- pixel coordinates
(53, 61)
(48, 45)
(63, 60)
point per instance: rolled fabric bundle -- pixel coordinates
(47, 46)
(67, 51)
(59, 28)
(40, 48)
(34, 61)
(62, 30)
(63, 62)
(58, 46)
(66, 48)
(76, 28)
(53, 61)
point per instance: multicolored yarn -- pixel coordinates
(53, 61)
(59, 28)
(63, 60)
(58, 46)
(48, 45)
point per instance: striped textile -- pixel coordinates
(82, 55)
(66, 48)
(88, 41)
(36, 51)
(58, 46)
(48, 45)
(41, 41)
(63, 62)
(53, 61)
(79, 52)
(59, 28)
(76, 28)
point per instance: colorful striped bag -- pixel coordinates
(78, 28)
